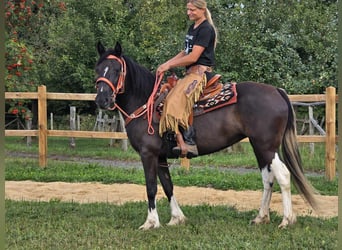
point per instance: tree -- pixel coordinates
(290, 44)
(21, 17)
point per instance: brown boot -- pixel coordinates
(187, 147)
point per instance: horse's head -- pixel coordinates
(110, 70)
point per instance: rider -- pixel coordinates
(198, 58)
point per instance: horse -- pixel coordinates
(262, 113)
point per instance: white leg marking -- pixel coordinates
(282, 175)
(177, 216)
(152, 220)
(264, 212)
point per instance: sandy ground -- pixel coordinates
(121, 193)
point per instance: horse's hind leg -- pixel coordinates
(177, 216)
(264, 212)
(282, 175)
(278, 170)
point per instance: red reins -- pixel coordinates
(150, 103)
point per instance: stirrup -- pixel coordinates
(191, 151)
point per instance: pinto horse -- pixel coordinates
(262, 113)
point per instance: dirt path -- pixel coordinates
(121, 193)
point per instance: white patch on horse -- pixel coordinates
(152, 220)
(101, 89)
(267, 179)
(277, 170)
(283, 176)
(177, 216)
(105, 71)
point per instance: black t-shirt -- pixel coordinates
(203, 35)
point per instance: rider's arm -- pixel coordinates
(182, 59)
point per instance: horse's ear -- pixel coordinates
(100, 48)
(118, 49)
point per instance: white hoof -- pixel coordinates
(261, 220)
(149, 224)
(152, 220)
(287, 221)
(176, 220)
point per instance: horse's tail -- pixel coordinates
(292, 157)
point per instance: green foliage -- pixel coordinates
(21, 18)
(290, 44)
(156, 30)
(19, 64)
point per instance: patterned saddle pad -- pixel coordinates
(225, 95)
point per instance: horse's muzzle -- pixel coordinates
(104, 101)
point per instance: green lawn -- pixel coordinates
(56, 225)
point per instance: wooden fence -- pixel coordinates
(330, 98)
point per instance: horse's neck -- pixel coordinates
(140, 83)
(130, 102)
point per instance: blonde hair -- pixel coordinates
(202, 4)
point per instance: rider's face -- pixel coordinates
(194, 13)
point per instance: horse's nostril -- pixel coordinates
(103, 102)
(99, 103)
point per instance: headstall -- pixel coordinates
(120, 87)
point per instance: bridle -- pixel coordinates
(120, 89)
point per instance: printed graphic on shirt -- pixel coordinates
(189, 43)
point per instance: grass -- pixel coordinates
(56, 225)
(241, 156)
(68, 225)
(219, 178)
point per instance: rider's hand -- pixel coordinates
(162, 68)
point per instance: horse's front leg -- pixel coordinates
(150, 169)
(177, 216)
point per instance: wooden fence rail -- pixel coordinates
(330, 98)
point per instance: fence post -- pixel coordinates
(42, 126)
(72, 125)
(122, 128)
(185, 163)
(51, 121)
(330, 143)
(28, 123)
(311, 130)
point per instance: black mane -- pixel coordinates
(139, 80)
